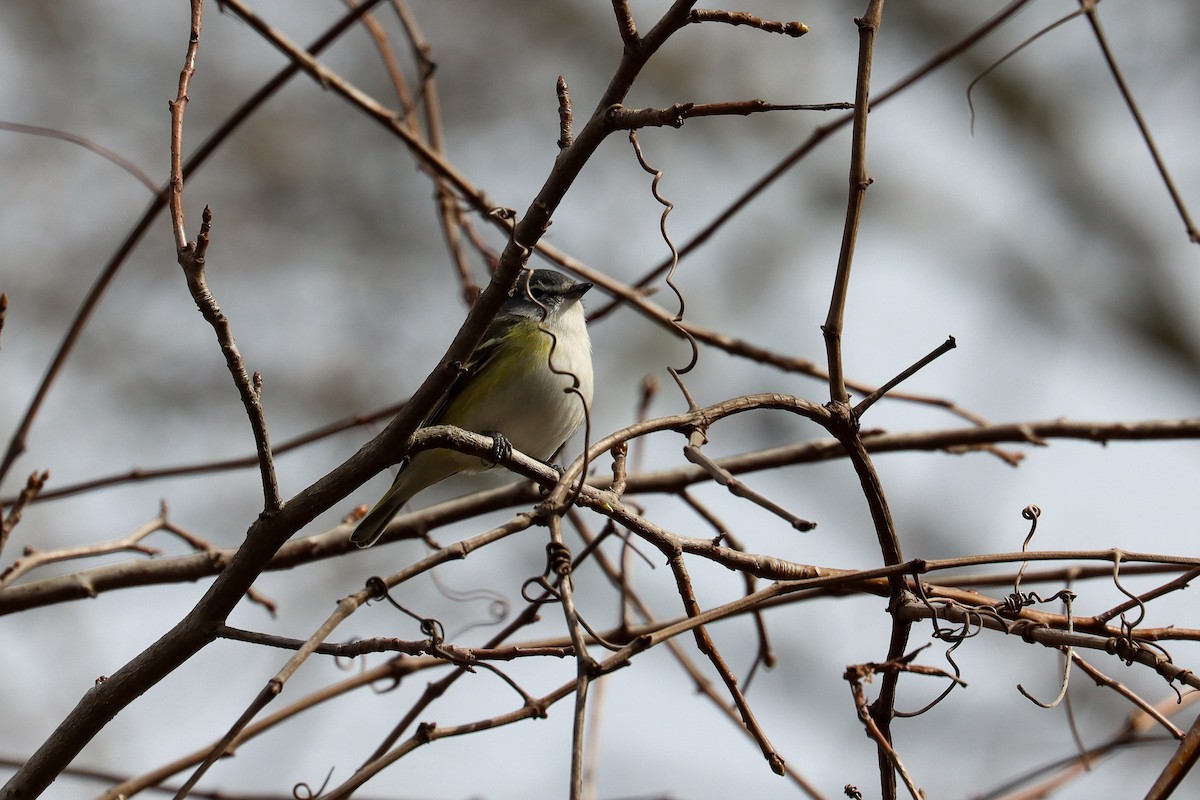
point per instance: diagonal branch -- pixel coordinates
(268, 533)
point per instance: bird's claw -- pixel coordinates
(501, 447)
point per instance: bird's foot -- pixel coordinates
(501, 447)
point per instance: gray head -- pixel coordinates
(551, 291)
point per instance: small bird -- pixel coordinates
(516, 388)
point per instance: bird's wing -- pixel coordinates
(484, 354)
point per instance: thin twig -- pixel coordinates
(1089, 9)
(870, 399)
(87, 144)
(622, 118)
(175, 196)
(33, 486)
(17, 442)
(820, 133)
(868, 26)
(705, 645)
(129, 543)
(192, 260)
(91, 582)
(793, 29)
(1179, 765)
(347, 606)
(449, 216)
(854, 676)
(694, 454)
(566, 118)
(142, 475)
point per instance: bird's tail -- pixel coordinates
(373, 524)
(425, 469)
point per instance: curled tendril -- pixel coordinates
(302, 791)
(550, 594)
(1030, 512)
(430, 626)
(377, 586)
(1126, 626)
(662, 227)
(1067, 597)
(558, 558)
(558, 563)
(1012, 605)
(956, 636)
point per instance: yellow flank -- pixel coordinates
(524, 351)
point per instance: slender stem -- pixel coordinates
(868, 26)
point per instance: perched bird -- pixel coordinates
(515, 387)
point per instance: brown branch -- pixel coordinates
(821, 133)
(623, 118)
(131, 542)
(345, 607)
(1089, 10)
(868, 26)
(723, 477)
(142, 475)
(847, 431)
(870, 399)
(585, 665)
(703, 685)
(566, 115)
(854, 676)
(191, 259)
(449, 216)
(33, 485)
(175, 195)
(744, 108)
(1146, 708)
(269, 532)
(335, 542)
(793, 29)
(390, 64)
(87, 144)
(394, 669)
(1179, 765)
(705, 644)
(626, 27)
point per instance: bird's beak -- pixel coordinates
(577, 291)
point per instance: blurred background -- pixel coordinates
(1044, 241)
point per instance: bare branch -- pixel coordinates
(566, 119)
(868, 26)
(793, 29)
(1089, 10)
(16, 444)
(191, 258)
(175, 196)
(87, 144)
(33, 486)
